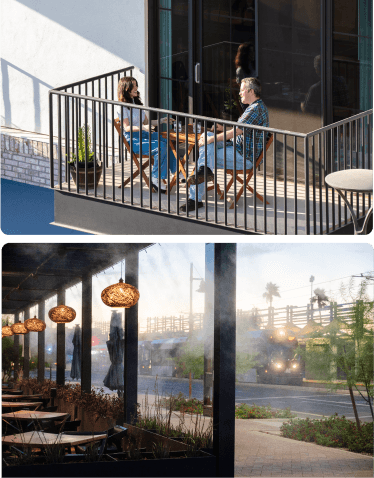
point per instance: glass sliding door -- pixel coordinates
(352, 77)
(224, 26)
(173, 54)
(211, 43)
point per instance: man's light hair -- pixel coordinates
(253, 84)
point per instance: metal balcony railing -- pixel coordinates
(290, 178)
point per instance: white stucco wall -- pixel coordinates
(49, 43)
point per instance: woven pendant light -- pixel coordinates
(19, 329)
(120, 295)
(62, 314)
(35, 325)
(7, 331)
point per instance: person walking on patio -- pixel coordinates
(128, 93)
(256, 114)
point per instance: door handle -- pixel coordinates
(197, 73)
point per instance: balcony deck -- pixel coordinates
(285, 194)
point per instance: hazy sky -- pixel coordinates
(165, 276)
(164, 281)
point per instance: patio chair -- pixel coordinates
(135, 157)
(50, 409)
(113, 442)
(239, 173)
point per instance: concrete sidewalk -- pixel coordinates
(260, 451)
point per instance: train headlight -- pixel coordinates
(295, 366)
(278, 365)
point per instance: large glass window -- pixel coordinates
(352, 76)
(173, 54)
(289, 59)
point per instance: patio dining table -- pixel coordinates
(358, 181)
(31, 417)
(181, 140)
(39, 439)
(20, 398)
(15, 391)
(21, 404)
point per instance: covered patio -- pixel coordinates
(33, 273)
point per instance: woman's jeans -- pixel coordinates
(154, 151)
(220, 163)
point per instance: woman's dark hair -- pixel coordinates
(125, 85)
(244, 55)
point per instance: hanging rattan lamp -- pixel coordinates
(120, 295)
(62, 314)
(19, 329)
(7, 331)
(35, 325)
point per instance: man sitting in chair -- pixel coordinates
(256, 114)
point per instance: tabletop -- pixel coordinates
(34, 415)
(41, 439)
(353, 180)
(20, 404)
(11, 390)
(182, 134)
(23, 397)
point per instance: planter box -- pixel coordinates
(195, 466)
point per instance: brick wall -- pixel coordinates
(27, 160)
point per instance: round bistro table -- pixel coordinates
(355, 181)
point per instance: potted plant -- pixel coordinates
(84, 137)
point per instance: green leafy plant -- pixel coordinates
(83, 132)
(334, 431)
(255, 411)
(160, 450)
(345, 346)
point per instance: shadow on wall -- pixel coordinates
(6, 66)
(97, 22)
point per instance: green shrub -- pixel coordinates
(255, 411)
(332, 431)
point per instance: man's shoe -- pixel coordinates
(200, 176)
(190, 205)
(155, 186)
(155, 189)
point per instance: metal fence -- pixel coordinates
(259, 318)
(290, 178)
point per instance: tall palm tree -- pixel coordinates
(321, 298)
(271, 290)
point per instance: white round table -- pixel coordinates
(355, 181)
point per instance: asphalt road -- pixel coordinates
(305, 402)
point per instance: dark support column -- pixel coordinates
(60, 343)
(16, 348)
(86, 333)
(41, 343)
(208, 323)
(130, 391)
(26, 348)
(224, 357)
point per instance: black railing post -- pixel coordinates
(306, 177)
(51, 165)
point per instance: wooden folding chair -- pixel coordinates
(135, 157)
(239, 172)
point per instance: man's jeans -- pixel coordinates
(220, 164)
(154, 151)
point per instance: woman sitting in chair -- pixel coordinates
(128, 93)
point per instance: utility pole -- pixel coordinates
(311, 280)
(200, 290)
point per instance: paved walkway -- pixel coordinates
(260, 451)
